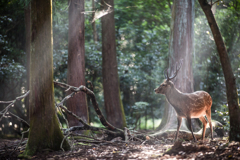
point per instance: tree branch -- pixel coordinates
(93, 99)
(18, 118)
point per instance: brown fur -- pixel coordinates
(188, 105)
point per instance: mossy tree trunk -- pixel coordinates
(181, 46)
(112, 100)
(232, 95)
(76, 62)
(44, 132)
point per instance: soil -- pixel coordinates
(219, 148)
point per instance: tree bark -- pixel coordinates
(232, 96)
(181, 46)
(27, 17)
(95, 36)
(76, 61)
(112, 100)
(44, 132)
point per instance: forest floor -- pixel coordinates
(219, 148)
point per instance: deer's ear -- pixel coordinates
(170, 84)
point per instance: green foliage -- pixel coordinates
(11, 69)
(142, 40)
(12, 62)
(136, 112)
(60, 39)
(11, 41)
(223, 113)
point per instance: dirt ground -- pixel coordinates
(219, 148)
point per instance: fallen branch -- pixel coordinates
(93, 99)
(110, 130)
(85, 125)
(87, 139)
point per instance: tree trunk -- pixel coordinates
(180, 47)
(76, 61)
(232, 96)
(95, 37)
(112, 100)
(27, 17)
(44, 132)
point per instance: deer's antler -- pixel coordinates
(176, 72)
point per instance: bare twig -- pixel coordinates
(69, 112)
(20, 141)
(18, 118)
(4, 111)
(65, 137)
(6, 101)
(214, 2)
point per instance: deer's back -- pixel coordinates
(192, 104)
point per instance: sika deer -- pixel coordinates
(187, 105)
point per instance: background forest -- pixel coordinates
(142, 32)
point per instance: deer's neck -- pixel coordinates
(174, 96)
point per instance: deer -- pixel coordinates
(187, 105)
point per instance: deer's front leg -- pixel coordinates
(190, 127)
(178, 127)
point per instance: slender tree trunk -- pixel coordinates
(180, 47)
(95, 37)
(44, 132)
(112, 100)
(76, 61)
(232, 96)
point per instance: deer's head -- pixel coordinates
(167, 83)
(164, 87)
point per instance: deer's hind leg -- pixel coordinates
(190, 127)
(204, 121)
(208, 114)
